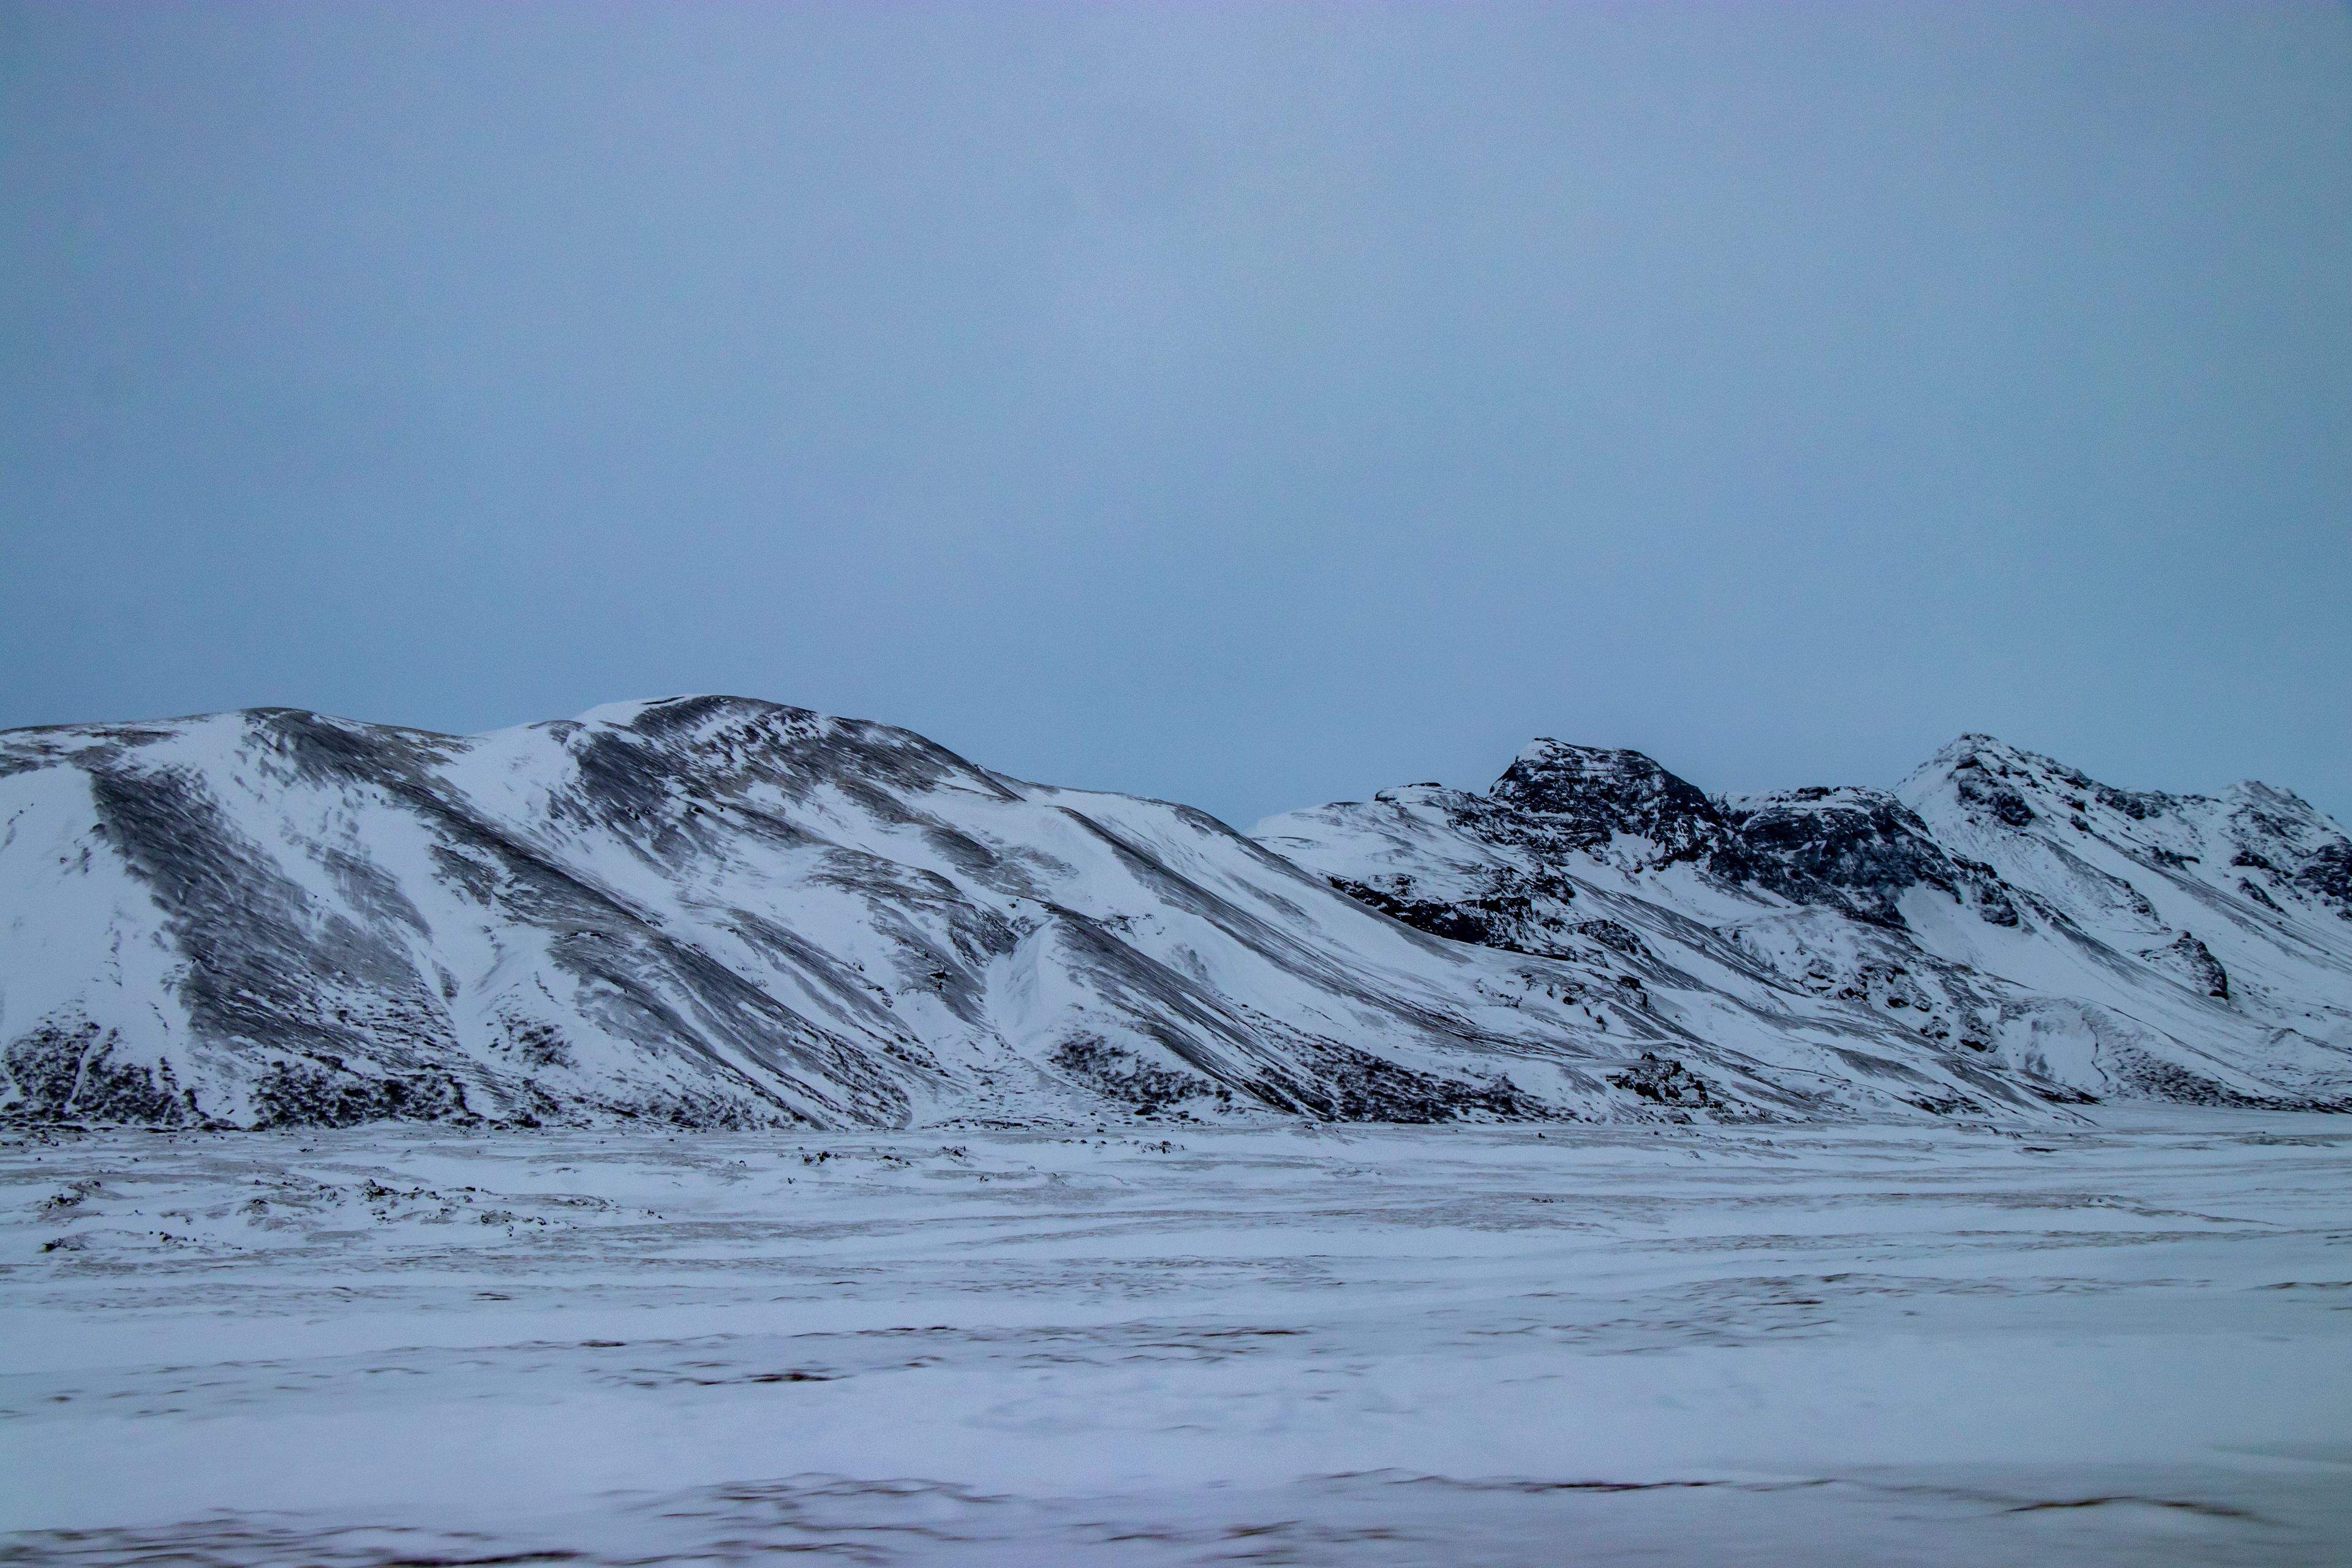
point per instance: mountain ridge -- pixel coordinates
(1980, 824)
(713, 911)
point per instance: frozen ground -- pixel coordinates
(2129, 1342)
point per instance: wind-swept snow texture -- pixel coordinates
(1947, 1346)
(714, 911)
(2000, 929)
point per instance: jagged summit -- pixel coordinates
(2280, 842)
(2002, 911)
(1590, 795)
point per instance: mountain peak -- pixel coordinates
(1991, 754)
(695, 709)
(1598, 793)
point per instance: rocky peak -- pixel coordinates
(1996, 782)
(2283, 844)
(1590, 794)
(2095, 982)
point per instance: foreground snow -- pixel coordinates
(2118, 1342)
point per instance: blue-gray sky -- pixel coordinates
(1252, 405)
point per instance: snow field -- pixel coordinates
(2126, 1342)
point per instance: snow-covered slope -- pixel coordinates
(711, 911)
(2001, 921)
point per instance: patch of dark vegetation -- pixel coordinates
(1885, 984)
(1946, 1104)
(695, 1111)
(536, 1044)
(1356, 1086)
(2164, 1080)
(2160, 1079)
(325, 1093)
(1121, 1075)
(71, 1073)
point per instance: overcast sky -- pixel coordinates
(1250, 405)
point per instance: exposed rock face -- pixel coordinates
(712, 912)
(1666, 1081)
(2325, 874)
(1587, 797)
(1859, 850)
(2189, 958)
(2022, 926)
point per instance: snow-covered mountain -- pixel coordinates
(2014, 924)
(711, 911)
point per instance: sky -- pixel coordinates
(1250, 405)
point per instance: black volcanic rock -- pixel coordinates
(2194, 964)
(1665, 1082)
(1587, 797)
(2326, 874)
(1858, 851)
(1514, 910)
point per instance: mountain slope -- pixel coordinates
(711, 911)
(2008, 919)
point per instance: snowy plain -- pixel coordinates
(2125, 1340)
